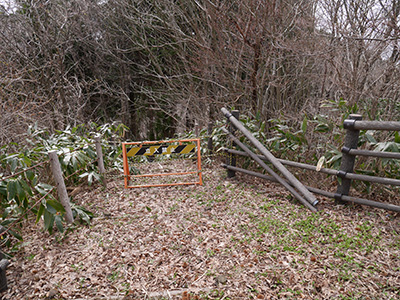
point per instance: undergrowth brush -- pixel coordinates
(26, 183)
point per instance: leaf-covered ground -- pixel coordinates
(228, 239)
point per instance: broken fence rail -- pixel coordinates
(309, 197)
(276, 177)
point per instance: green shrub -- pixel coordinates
(32, 191)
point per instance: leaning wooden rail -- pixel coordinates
(286, 162)
(276, 177)
(308, 197)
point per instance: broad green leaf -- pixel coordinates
(84, 175)
(15, 234)
(13, 164)
(6, 212)
(67, 158)
(35, 181)
(48, 221)
(83, 216)
(20, 191)
(43, 188)
(40, 212)
(11, 190)
(90, 178)
(26, 187)
(397, 137)
(25, 203)
(56, 205)
(8, 221)
(40, 190)
(59, 224)
(50, 208)
(370, 138)
(321, 128)
(304, 124)
(27, 161)
(30, 175)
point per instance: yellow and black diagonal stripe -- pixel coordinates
(161, 150)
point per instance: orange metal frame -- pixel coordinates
(128, 176)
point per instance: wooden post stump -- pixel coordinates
(100, 161)
(231, 160)
(210, 141)
(60, 184)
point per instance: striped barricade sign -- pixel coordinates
(160, 150)
(136, 149)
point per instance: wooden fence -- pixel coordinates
(346, 174)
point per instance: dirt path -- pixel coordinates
(228, 239)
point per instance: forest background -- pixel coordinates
(159, 66)
(70, 70)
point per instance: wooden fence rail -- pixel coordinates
(358, 124)
(350, 176)
(392, 155)
(345, 174)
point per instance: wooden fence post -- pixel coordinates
(347, 164)
(100, 161)
(231, 160)
(210, 141)
(60, 184)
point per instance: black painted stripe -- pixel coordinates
(142, 150)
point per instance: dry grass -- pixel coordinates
(228, 239)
